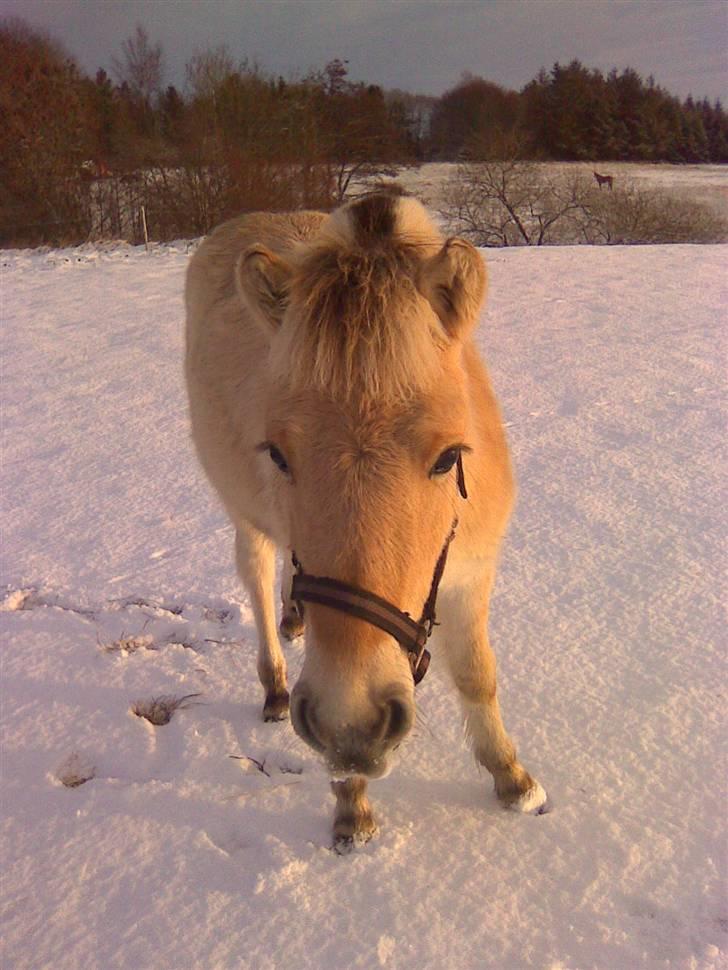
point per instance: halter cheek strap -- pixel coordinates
(412, 635)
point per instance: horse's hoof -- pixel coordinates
(352, 832)
(276, 707)
(292, 626)
(534, 801)
(345, 844)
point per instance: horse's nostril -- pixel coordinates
(302, 723)
(400, 720)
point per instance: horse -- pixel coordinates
(342, 413)
(607, 180)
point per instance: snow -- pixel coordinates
(205, 842)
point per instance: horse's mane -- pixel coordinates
(358, 324)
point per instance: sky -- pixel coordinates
(422, 46)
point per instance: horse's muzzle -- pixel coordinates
(348, 749)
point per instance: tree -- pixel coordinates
(208, 70)
(44, 137)
(141, 67)
(475, 111)
(172, 112)
(335, 74)
(511, 202)
(411, 115)
(358, 133)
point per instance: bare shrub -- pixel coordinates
(141, 67)
(513, 203)
(192, 199)
(632, 215)
(188, 198)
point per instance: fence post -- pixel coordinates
(146, 234)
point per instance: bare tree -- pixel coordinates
(362, 142)
(208, 70)
(141, 66)
(513, 203)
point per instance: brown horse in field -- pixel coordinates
(341, 410)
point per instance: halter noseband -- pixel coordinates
(412, 635)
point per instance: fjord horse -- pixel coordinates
(341, 411)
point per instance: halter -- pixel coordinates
(412, 635)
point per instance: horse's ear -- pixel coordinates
(261, 279)
(454, 282)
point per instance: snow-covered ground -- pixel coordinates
(205, 842)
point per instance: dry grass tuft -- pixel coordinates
(129, 645)
(159, 710)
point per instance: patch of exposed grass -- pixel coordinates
(160, 710)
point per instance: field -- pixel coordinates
(205, 842)
(703, 184)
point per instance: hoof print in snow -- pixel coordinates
(159, 710)
(75, 770)
(217, 615)
(276, 707)
(288, 769)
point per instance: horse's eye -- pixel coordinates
(278, 459)
(445, 462)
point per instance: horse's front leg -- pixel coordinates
(353, 820)
(464, 615)
(255, 558)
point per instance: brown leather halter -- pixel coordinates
(412, 635)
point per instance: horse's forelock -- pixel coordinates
(358, 324)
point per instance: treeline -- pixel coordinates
(572, 113)
(83, 155)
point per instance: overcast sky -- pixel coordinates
(419, 45)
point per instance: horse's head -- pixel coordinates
(368, 410)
